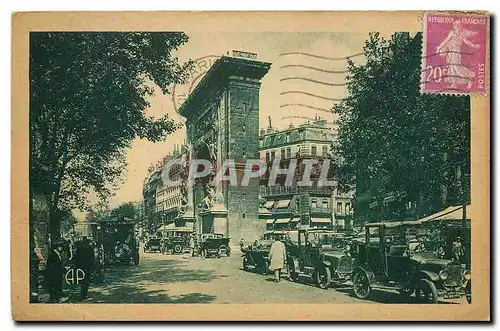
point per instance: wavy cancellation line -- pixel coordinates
(323, 57)
(310, 94)
(306, 106)
(311, 80)
(315, 69)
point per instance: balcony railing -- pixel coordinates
(283, 190)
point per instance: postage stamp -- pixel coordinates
(454, 53)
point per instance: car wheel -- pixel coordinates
(177, 248)
(323, 277)
(228, 252)
(222, 250)
(426, 292)
(361, 285)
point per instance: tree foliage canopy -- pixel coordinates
(391, 136)
(88, 96)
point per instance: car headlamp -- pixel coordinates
(443, 274)
(467, 274)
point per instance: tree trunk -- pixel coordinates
(55, 225)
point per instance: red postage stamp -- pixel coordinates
(454, 53)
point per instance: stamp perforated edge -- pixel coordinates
(487, 52)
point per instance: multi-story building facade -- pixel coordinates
(166, 204)
(316, 206)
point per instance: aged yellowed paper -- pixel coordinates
(315, 166)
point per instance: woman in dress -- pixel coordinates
(457, 73)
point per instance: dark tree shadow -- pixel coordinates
(131, 284)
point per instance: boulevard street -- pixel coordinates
(180, 279)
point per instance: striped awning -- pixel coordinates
(269, 221)
(269, 204)
(283, 204)
(282, 221)
(321, 220)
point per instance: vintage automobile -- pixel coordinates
(391, 261)
(321, 256)
(175, 245)
(256, 257)
(153, 244)
(212, 244)
(119, 241)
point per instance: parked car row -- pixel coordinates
(387, 257)
(209, 245)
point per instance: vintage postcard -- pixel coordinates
(309, 166)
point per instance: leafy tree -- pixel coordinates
(394, 139)
(88, 96)
(128, 210)
(68, 220)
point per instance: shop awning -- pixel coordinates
(321, 220)
(294, 219)
(269, 204)
(269, 221)
(283, 204)
(453, 213)
(282, 221)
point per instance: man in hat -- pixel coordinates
(191, 245)
(458, 252)
(54, 272)
(84, 261)
(277, 256)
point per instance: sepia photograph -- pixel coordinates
(222, 167)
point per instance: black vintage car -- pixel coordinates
(214, 245)
(118, 238)
(390, 260)
(175, 245)
(153, 244)
(256, 257)
(320, 256)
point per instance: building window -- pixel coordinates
(314, 150)
(273, 155)
(287, 137)
(282, 152)
(325, 204)
(289, 153)
(339, 207)
(325, 150)
(314, 203)
(347, 208)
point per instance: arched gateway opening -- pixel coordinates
(222, 120)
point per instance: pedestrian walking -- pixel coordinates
(54, 273)
(191, 245)
(277, 256)
(84, 260)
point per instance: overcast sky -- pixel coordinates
(317, 74)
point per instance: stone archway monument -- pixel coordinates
(222, 120)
